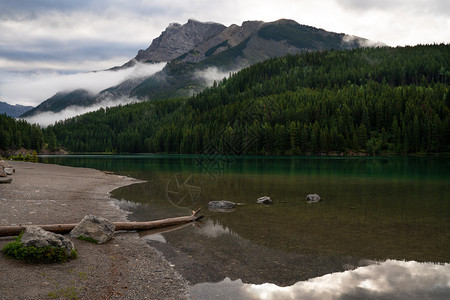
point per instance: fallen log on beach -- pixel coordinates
(66, 228)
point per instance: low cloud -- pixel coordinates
(34, 88)
(48, 118)
(212, 74)
(364, 43)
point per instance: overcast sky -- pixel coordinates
(42, 38)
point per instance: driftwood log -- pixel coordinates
(66, 228)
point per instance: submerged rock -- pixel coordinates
(311, 198)
(264, 200)
(221, 204)
(95, 229)
(39, 238)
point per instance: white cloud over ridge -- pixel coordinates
(212, 74)
(34, 88)
(49, 118)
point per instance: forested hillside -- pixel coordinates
(194, 48)
(15, 134)
(375, 99)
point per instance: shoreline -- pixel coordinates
(124, 268)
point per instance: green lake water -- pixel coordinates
(372, 209)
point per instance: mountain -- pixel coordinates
(13, 110)
(196, 41)
(234, 48)
(194, 49)
(61, 101)
(382, 100)
(176, 40)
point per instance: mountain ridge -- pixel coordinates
(197, 46)
(13, 110)
(60, 101)
(333, 102)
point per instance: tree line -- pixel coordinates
(15, 134)
(372, 100)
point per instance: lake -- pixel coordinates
(378, 215)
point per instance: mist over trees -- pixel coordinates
(374, 100)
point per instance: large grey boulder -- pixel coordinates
(95, 229)
(311, 198)
(216, 205)
(264, 200)
(2, 172)
(39, 238)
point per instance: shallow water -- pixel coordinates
(371, 209)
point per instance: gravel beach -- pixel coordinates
(124, 268)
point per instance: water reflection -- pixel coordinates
(373, 208)
(213, 230)
(155, 237)
(212, 251)
(387, 280)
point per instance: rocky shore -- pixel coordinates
(124, 268)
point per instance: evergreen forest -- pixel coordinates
(15, 134)
(366, 100)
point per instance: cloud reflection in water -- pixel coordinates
(213, 229)
(387, 280)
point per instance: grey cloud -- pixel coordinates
(368, 4)
(61, 29)
(437, 7)
(62, 51)
(29, 9)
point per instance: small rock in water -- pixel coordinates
(221, 204)
(311, 198)
(264, 200)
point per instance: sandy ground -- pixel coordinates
(124, 268)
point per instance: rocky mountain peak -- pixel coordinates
(178, 39)
(196, 46)
(228, 38)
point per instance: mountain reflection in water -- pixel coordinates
(391, 279)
